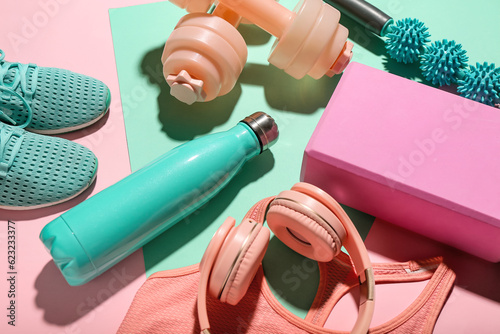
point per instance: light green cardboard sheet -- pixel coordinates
(155, 122)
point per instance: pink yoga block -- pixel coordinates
(412, 155)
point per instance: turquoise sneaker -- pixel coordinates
(38, 171)
(49, 100)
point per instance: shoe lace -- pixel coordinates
(20, 80)
(8, 134)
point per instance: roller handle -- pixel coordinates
(364, 13)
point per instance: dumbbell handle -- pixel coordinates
(364, 13)
(227, 14)
(267, 14)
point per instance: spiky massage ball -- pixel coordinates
(481, 83)
(405, 40)
(442, 61)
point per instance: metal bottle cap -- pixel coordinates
(264, 127)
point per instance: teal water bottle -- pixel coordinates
(104, 229)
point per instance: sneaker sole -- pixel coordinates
(34, 207)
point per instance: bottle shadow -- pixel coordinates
(64, 304)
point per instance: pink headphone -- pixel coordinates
(307, 220)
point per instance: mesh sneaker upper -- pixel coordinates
(63, 100)
(45, 170)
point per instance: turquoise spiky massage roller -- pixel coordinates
(442, 62)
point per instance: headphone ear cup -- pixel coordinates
(306, 226)
(238, 261)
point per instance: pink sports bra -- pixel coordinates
(166, 303)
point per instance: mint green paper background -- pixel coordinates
(155, 122)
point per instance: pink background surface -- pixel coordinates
(74, 35)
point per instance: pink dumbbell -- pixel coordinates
(310, 41)
(203, 58)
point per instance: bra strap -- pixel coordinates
(337, 278)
